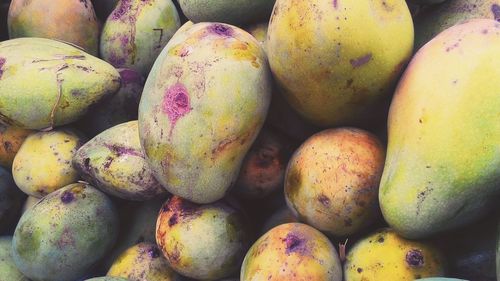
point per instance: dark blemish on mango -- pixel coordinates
(293, 244)
(495, 9)
(153, 252)
(86, 164)
(174, 256)
(173, 220)
(220, 29)
(108, 162)
(359, 270)
(265, 157)
(348, 222)
(130, 76)
(176, 104)
(361, 60)
(485, 31)
(324, 200)
(67, 197)
(2, 63)
(415, 258)
(7, 145)
(335, 4)
(121, 150)
(121, 10)
(381, 240)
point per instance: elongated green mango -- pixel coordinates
(46, 83)
(202, 107)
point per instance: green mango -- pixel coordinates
(8, 269)
(441, 170)
(202, 107)
(64, 234)
(73, 21)
(227, 11)
(46, 83)
(430, 22)
(136, 31)
(11, 200)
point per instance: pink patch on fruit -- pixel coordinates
(176, 104)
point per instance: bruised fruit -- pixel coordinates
(11, 200)
(119, 108)
(204, 242)
(143, 261)
(136, 31)
(63, 80)
(350, 54)
(386, 256)
(43, 163)
(113, 161)
(11, 139)
(332, 180)
(292, 251)
(64, 234)
(202, 107)
(73, 21)
(8, 269)
(442, 164)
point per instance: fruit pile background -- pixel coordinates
(149, 140)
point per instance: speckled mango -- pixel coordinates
(11, 201)
(350, 55)
(205, 242)
(119, 108)
(63, 82)
(332, 180)
(143, 261)
(432, 21)
(73, 21)
(136, 31)
(11, 139)
(64, 234)
(384, 255)
(113, 161)
(43, 163)
(442, 162)
(228, 11)
(202, 107)
(8, 269)
(292, 251)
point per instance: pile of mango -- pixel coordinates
(162, 140)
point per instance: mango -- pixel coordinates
(64, 234)
(30, 202)
(204, 242)
(228, 11)
(202, 107)
(332, 180)
(350, 55)
(11, 139)
(143, 261)
(113, 161)
(384, 255)
(63, 82)
(119, 108)
(8, 270)
(441, 170)
(430, 22)
(107, 278)
(73, 21)
(292, 251)
(11, 200)
(43, 163)
(136, 31)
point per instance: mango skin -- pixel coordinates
(8, 270)
(64, 234)
(64, 81)
(205, 242)
(211, 84)
(432, 21)
(43, 163)
(73, 21)
(11, 200)
(11, 139)
(350, 54)
(332, 180)
(136, 31)
(384, 255)
(228, 11)
(113, 161)
(143, 261)
(292, 251)
(429, 184)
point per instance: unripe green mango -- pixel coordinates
(64, 234)
(8, 269)
(136, 31)
(442, 163)
(113, 161)
(227, 11)
(432, 21)
(72, 21)
(46, 83)
(202, 107)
